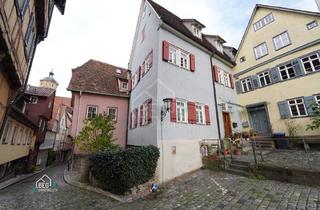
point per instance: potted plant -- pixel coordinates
(226, 146)
(245, 134)
(237, 150)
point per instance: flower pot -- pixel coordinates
(237, 151)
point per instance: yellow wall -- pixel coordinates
(4, 95)
(307, 85)
(11, 152)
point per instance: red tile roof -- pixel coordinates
(98, 78)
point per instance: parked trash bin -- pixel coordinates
(279, 141)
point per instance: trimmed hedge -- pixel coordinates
(119, 171)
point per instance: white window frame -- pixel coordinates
(176, 55)
(246, 82)
(263, 76)
(116, 113)
(296, 105)
(173, 54)
(33, 99)
(29, 39)
(6, 132)
(29, 137)
(259, 52)
(20, 135)
(87, 111)
(200, 114)
(263, 22)
(181, 105)
(285, 68)
(312, 24)
(133, 118)
(145, 113)
(310, 60)
(281, 41)
(196, 31)
(13, 134)
(124, 85)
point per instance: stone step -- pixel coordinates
(237, 172)
(240, 167)
(240, 162)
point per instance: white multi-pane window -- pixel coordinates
(124, 85)
(30, 137)
(263, 22)
(20, 135)
(184, 60)
(14, 133)
(182, 111)
(311, 63)
(297, 107)
(6, 133)
(264, 78)
(173, 54)
(224, 78)
(25, 136)
(179, 57)
(200, 114)
(133, 118)
(148, 62)
(33, 100)
(145, 114)
(317, 98)
(196, 31)
(260, 50)
(312, 25)
(246, 85)
(112, 112)
(281, 41)
(92, 111)
(287, 71)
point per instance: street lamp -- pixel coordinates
(166, 107)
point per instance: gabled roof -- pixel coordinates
(39, 91)
(194, 21)
(177, 23)
(98, 78)
(284, 9)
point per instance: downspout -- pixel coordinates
(80, 93)
(128, 116)
(19, 93)
(216, 104)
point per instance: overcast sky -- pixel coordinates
(104, 30)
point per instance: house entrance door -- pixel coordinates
(227, 124)
(259, 120)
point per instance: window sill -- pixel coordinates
(282, 47)
(187, 69)
(261, 56)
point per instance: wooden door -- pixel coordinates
(227, 124)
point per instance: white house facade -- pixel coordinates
(173, 66)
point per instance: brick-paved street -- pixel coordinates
(201, 190)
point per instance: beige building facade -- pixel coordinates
(278, 70)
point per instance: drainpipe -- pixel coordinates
(216, 105)
(80, 93)
(19, 93)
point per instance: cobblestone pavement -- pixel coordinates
(200, 190)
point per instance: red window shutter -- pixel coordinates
(173, 114)
(165, 50)
(141, 114)
(207, 113)
(136, 120)
(149, 110)
(192, 62)
(192, 118)
(130, 120)
(216, 73)
(231, 81)
(139, 73)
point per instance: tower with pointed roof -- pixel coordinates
(49, 81)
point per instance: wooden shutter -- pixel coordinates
(284, 109)
(238, 87)
(192, 62)
(136, 118)
(207, 114)
(216, 73)
(255, 81)
(141, 114)
(173, 110)
(192, 118)
(274, 74)
(165, 51)
(231, 81)
(297, 67)
(149, 110)
(308, 102)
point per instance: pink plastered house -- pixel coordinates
(100, 88)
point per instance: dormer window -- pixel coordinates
(196, 31)
(118, 71)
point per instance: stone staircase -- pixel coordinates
(239, 167)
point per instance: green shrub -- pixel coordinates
(118, 171)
